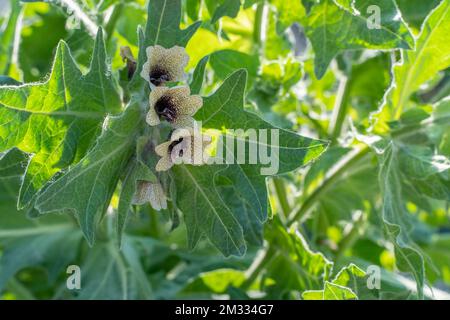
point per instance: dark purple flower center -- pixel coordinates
(158, 76)
(165, 108)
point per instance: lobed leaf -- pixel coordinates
(332, 29)
(228, 202)
(86, 189)
(432, 50)
(56, 121)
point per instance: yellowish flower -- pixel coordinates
(175, 105)
(152, 193)
(185, 146)
(164, 65)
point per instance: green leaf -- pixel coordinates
(225, 62)
(162, 28)
(335, 292)
(12, 163)
(397, 220)
(131, 16)
(57, 120)
(339, 287)
(86, 189)
(228, 202)
(163, 25)
(294, 266)
(137, 171)
(368, 84)
(428, 172)
(198, 76)
(227, 8)
(420, 137)
(35, 51)
(347, 274)
(51, 243)
(217, 281)
(415, 11)
(332, 29)
(439, 252)
(8, 81)
(288, 12)
(110, 274)
(7, 35)
(432, 50)
(52, 247)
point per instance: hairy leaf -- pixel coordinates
(198, 76)
(162, 28)
(339, 287)
(432, 50)
(86, 189)
(293, 266)
(229, 8)
(110, 274)
(332, 29)
(137, 171)
(51, 243)
(7, 35)
(228, 202)
(397, 220)
(56, 121)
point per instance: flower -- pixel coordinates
(127, 56)
(175, 105)
(164, 65)
(185, 146)
(150, 192)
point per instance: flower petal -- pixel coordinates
(183, 121)
(180, 133)
(164, 164)
(171, 61)
(145, 73)
(157, 198)
(175, 62)
(162, 150)
(155, 54)
(191, 105)
(152, 117)
(156, 94)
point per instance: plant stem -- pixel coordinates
(341, 169)
(257, 27)
(75, 8)
(280, 190)
(348, 240)
(335, 175)
(258, 265)
(19, 290)
(111, 24)
(340, 109)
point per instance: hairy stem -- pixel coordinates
(111, 24)
(352, 235)
(90, 25)
(257, 28)
(340, 169)
(340, 109)
(258, 265)
(280, 190)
